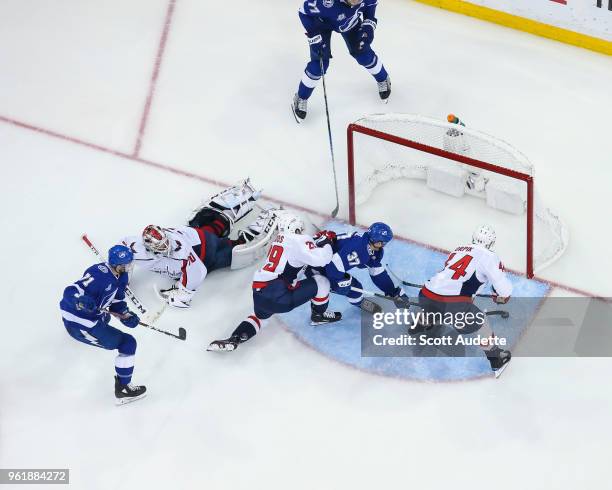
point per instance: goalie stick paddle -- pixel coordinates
(182, 335)
(334, 213)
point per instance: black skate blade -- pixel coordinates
(124, 401)
(297, 119)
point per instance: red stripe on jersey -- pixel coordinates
(446, 299)
(202, 243)
(184, 273)
(259, 284)
(321, 300)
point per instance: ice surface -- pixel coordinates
(275, 414)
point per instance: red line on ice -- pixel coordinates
(219, 183)
(154, 76)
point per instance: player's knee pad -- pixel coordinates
(127, 346)
(313, 69)
(366, 58)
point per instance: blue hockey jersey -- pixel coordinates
(354, 251)
(335, 15)
(101, 285)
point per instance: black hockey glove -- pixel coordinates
(325, 237)
(367, 29)
(316, 45)
(129, 319)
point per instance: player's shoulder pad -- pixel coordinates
(99, 270)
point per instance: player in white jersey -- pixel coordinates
(188, 253)
(467, 271)
(287, 281)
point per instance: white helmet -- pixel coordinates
(155, 240)
(290, 223)
(484, 235)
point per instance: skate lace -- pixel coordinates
(382, 86)
(329, 314)
(301, 103)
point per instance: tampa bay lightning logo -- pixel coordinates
(328, 3)
(121, 255)
(103, 269)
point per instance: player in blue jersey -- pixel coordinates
(356, 22)
(87, 306)
(363, 251)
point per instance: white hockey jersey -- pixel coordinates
(467, 271)
(289, 256)
(183, 263)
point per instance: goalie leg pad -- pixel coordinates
(234, 202)
(253, 242)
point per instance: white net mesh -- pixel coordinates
(377, 161)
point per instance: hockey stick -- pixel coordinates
(135, 301)
(334, 213)
(182, 333)
(419, 286)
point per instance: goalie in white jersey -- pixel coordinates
(188, 253)
(287, 280)
(467, 271)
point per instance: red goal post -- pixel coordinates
(430, 137)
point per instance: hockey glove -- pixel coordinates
(367, 29)
(316, 45)
(500, 300)
(325, 237)
(130, 319)
(84, 303)
(343, 286)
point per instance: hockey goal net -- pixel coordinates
(457, 161)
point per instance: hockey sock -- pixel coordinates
(247, 328)
(307, 85)
(321, 301)
(375, 68)
(319, 305)
(124, 367)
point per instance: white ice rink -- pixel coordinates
(93, 118)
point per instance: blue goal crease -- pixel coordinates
(415, 263)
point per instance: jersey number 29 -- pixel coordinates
(274, 256)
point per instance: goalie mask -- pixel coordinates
(484, 235)
(155, 240)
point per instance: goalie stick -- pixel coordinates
(182, 335)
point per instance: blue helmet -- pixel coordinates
(380, 232)
(119, 255)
